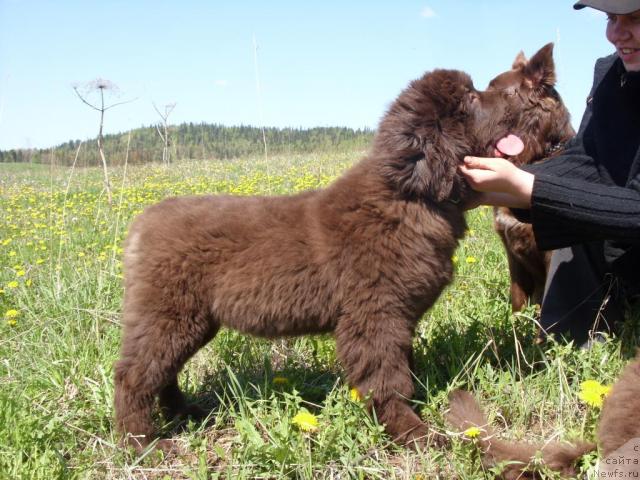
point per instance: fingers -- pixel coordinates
(506, 183)
(477, 177)
(473, 162)
(486, 163)
(490, 172)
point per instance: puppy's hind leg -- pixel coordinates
(154, 349)
(173, 402)
(376, 352)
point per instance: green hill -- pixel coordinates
(197, 141)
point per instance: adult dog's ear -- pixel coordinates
(520, 62)
(541, 70)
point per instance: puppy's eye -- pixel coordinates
(473, 97)
(510, 91)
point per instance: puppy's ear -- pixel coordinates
(429, 174)
(520, 62)
(443, 169)
(541, 70)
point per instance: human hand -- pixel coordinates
(502, 183)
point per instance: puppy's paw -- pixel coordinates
(168, 447)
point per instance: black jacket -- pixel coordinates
(592, 191)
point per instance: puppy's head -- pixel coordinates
(441, 117)
(432, 125)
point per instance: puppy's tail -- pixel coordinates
(517, 457)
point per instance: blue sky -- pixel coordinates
(326, 63)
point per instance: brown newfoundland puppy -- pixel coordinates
(620, 419)
(521, 460)
(618, 436)
(363, 258)
(527, 265)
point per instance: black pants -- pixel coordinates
(581, 297)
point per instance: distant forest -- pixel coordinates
(196, 141)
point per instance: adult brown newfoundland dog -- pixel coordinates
(363, 258)
(528, 266)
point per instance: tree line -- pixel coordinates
(196, 141)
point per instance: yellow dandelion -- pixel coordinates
(471, 259)
(593, 392)
(280, 380)
(454, 259)
(20, 273)
(472, 432)
(354, 395)
(306, 421)
(11, 313)
(12, 322)
(39, 261)
(12, 284)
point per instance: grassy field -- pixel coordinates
(60, 297)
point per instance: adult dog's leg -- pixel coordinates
(522, 283)
(153, 352)
(540, 269)
(375, 351)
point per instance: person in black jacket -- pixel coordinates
(585, 203)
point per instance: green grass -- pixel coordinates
(60, 297)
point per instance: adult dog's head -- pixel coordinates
(544, 124)
(441, 117)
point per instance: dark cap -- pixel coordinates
(618, 7)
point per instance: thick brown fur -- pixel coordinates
(620, 418)
(520, 460)
(528, 265)
(619, 423)
(363, 258)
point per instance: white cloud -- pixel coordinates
(221, 83)
(427, 12)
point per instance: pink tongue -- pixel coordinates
(511, 145)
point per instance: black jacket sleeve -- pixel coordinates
(566, 211)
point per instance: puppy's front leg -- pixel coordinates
(375, 350)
